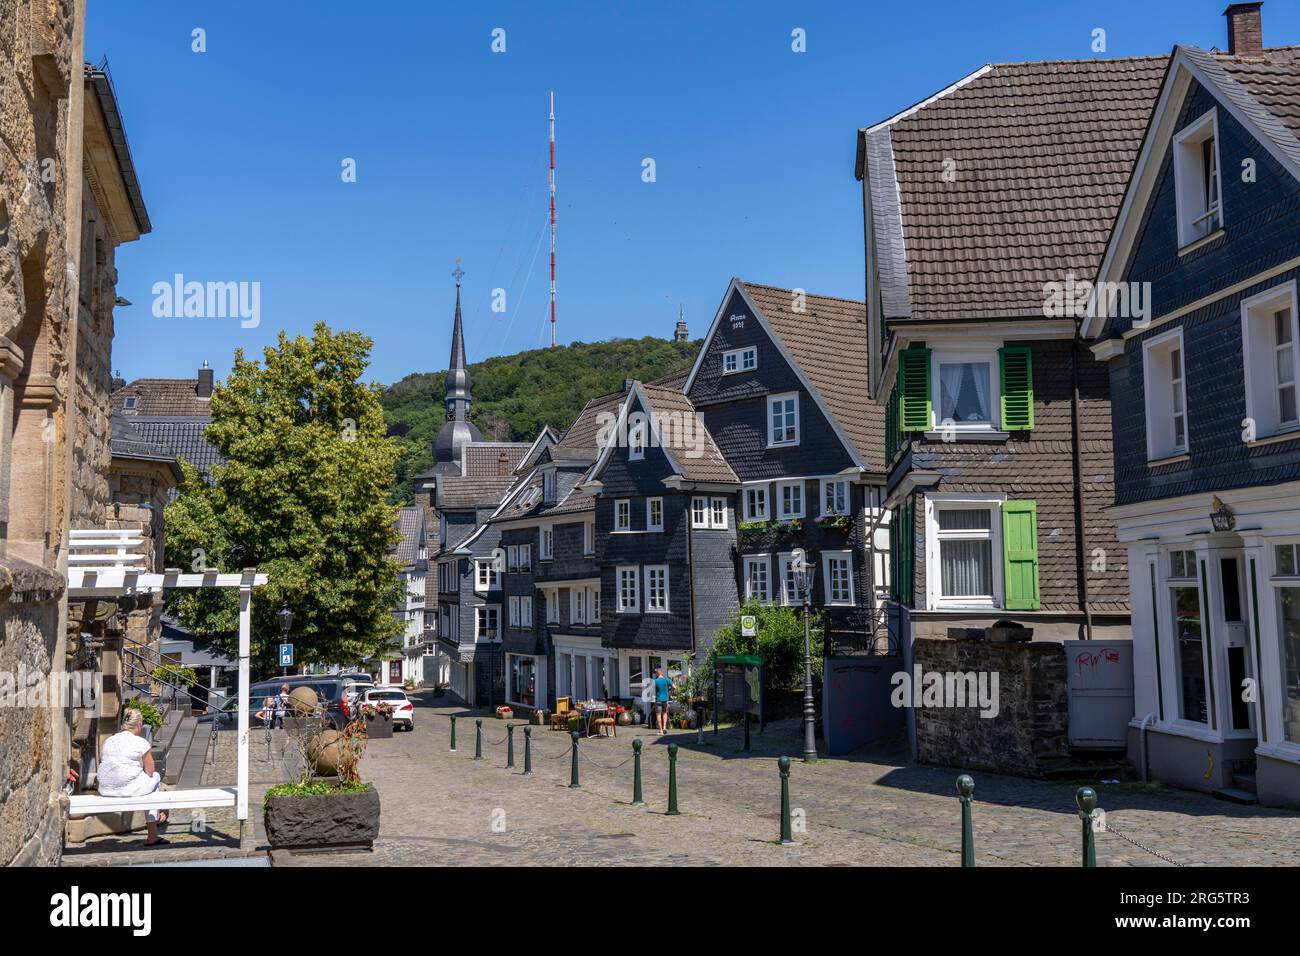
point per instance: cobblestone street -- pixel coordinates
(870, 809)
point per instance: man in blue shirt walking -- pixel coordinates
(663, 693)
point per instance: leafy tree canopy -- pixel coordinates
(302, 497)
(515, 395)
(779, 640)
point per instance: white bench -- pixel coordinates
(89, 804)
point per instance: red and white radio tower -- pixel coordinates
(552, 179)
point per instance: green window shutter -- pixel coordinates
(909, 547)
(914, 389)
(1017, 388)
(1020, 555)
(891, 425)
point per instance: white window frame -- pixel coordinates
(480, 610)
(493, 575)
(718, 513)
(546, 548)
(789, 596)
(512, 557)
(753, 513)
(636, 437)
(1259, 358)
(653, 606)
(526, 610)
(1188, 176)
(1157, 395)
(989, 357)
(935, 600)
(526, 557)
(836, 483)
(623, 574)
(763, 561)
(745, 360)
(622, 515)
(650, 523)
(588, 537)
(781, 513)
(835, 556)
(595, 604)
(552, 596)
(772, 401)
(548, 485)
(700, 511)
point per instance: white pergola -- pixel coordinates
(107, 564)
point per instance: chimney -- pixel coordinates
(1245, 30)
(204, 387)
(503, 466)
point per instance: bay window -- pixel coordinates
(1189, 637)
(981, 552)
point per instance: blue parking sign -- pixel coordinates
(286, 655)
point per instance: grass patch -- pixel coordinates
(315, 788)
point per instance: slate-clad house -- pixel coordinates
(416, 645)
(998, 417)
(173, 412)
(665, 534)
(781, 384)
(1206, 428)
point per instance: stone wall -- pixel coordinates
(1029, 733)
(98, 291)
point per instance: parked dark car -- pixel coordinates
(330, 691)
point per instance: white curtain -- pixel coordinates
(967, 568)
(964, 391)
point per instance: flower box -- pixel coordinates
(505, 713)
(379, 727)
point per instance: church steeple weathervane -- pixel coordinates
(457, 429)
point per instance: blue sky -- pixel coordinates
(239, 152)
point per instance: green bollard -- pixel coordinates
(637, 801)
(510, 746)
(478, 739)
(965, 789)
(528, 751)
(453, 733)
(1086, 798)
(672, 780)
(787, 837)
(573, 770)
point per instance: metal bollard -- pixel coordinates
(510, 746)
(787, 837)
(478, 739)
(453, 733)
(672, 780)
(528, 751)
(1086, 798)
(573, 771)
(965, 789)
(637, 800)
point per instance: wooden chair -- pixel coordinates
(606, 726)
(562, 713)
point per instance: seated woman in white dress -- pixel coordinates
(126, 769)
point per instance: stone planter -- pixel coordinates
(343, 819)
(377, 728)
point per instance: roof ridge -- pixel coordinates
(807, 294)
(1083, 59)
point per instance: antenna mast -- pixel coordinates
(552, 181)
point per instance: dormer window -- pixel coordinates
(548, 486)
(128, 403)
(740, 360)
(1196, 179)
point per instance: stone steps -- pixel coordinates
(1235, 795)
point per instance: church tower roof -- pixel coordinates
(457, 431)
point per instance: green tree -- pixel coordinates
(302, 497)
(779, 640)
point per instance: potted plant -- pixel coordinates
(505, 712)
(329, 805)
(439, 690)
(378, 718)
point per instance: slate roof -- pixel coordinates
(409, 526)
(184, 436)
(456, 492)
(579, 441)
(162, 396)
(1266, 88)
(1040, 156)
(829, 343)
(482, 459)
(704, 463)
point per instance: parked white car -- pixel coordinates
(403, 709)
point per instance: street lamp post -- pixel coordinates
(803, 571)
(285, 617)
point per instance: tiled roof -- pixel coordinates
(1037, 155)
(184, 436)
(579, 442)
(128, 442)
(457, 492)
(482, 459)
(1270, 84)
(409, 526)
(162, 396)
(676, 380)
(574, 503)
(828, 340)
(703, 463)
